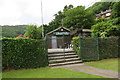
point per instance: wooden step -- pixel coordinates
(65, 63)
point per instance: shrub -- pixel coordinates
(107, 28)
(23, 53)
(76, 46)
(33, 32)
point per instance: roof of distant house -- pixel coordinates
(79, 31)
(107, 11)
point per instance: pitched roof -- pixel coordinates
(107, 11)
(79, 31)
(58, 29)
(75, 31)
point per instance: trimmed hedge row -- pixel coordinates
(23, 53)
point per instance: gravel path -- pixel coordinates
(90, 70)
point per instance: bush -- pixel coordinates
(106, 28)
(23, 53)
(33, 32)
(76, 45)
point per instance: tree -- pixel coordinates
(72, 18)
(66, 8)
(116, 10)
(33, 32)
(106, 28)
(100, 6)
(12, 31)
(59, 16)
(78, 18)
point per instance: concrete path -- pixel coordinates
(90, 70)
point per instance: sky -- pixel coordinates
(26, 12)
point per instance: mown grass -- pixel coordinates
(108, 64)
(47, 73)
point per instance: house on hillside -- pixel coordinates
(58, 38)
(81, 32)
(105, 14)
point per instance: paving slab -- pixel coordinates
(90, 70)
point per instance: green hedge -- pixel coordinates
(23, 53)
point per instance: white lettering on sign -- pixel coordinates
(62, 33)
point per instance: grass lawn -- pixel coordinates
(47, 73)
(108, 64)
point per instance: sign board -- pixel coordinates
(62, 33)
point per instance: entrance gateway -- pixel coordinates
(59, 38)
(57, 42)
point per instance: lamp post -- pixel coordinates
(42, 20)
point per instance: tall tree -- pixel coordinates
(59, 16)
(78, 18)
(116, 10)
(66, 8)
(33, 32)
(100, 6)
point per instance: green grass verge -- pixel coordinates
(47, 73)
(108, 64)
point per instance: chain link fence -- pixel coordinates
(99, 48)
(89, 49)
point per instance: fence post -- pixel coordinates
(97, 44)
(46, 47)
(118, 46)
(80, 47)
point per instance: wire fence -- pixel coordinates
(99, 48)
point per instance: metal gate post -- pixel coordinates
(97, 44)
(64, 46)
(118, 46)
(80, 47)
(46, 47)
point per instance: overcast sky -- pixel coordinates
(18, 12)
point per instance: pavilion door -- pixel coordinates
(54, 42)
